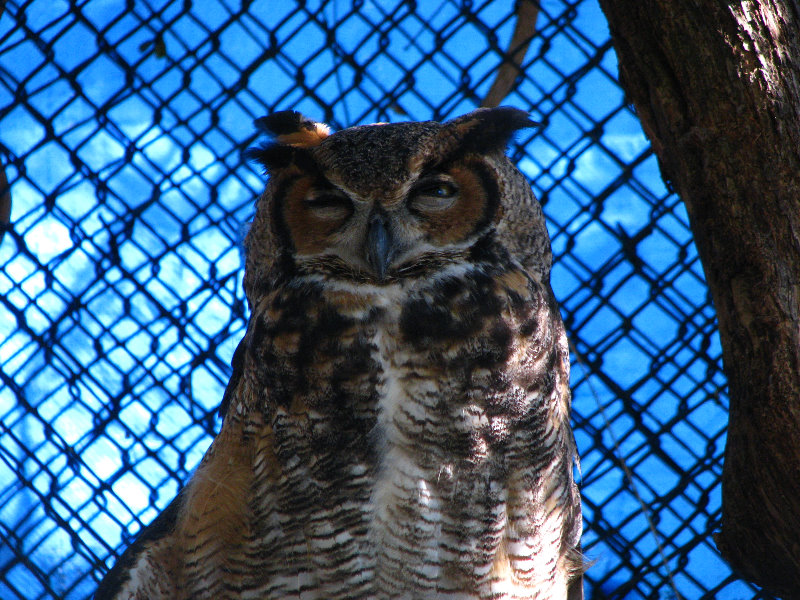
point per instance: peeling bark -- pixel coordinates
(717, 88)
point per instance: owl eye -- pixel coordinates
(328, 205)
(434, 195)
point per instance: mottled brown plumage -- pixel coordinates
(397, 423)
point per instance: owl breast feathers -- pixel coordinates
(397, 421)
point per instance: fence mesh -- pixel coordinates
(121, 130)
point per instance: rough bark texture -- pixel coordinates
(717, 88)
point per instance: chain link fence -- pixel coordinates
(121, 130)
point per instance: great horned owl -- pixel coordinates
(397, 422)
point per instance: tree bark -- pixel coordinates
(717, 88)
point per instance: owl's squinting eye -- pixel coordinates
(328, 205)
(434, 194)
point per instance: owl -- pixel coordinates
(397, 421)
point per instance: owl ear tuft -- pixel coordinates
(292, 133)
(272, 156)
(488, 129)
(291, 128)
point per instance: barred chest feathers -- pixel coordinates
(397, 422)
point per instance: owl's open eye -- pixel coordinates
(328, 205)
(434, 194)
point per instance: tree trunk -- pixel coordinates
(717, 88)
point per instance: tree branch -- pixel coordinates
(717, 88)
(511, 67)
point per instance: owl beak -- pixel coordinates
(379, 246)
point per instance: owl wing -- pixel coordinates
(150, 567)
(138, 573)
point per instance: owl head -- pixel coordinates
(386, 202)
